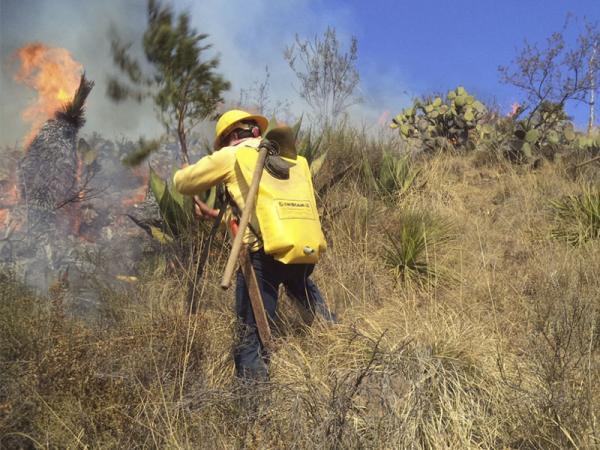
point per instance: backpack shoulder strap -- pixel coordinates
(227, 199)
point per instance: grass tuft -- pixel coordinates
(577, 217)
(412, 246)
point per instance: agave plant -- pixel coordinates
(394, 176)
(176, 210)
(578, 217)
(309, 147)
(411, 247)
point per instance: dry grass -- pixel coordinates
(503, 353)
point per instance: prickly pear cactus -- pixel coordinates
(450, 123)
(542, 134)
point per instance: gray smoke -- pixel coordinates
(248, 36)
(83, 29)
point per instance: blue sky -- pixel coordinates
(436, 45)
(406, 49)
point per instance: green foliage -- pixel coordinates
(588, 143)
(142, 150)
(393, 177)
(411, 247)
(184, 88)
(442, 124)
(577, 217)
(177, 210)
(309, 147)
(543, 133)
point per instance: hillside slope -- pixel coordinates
(489, 341)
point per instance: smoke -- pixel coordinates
(252, 36)
(83, 29)
(247, 36)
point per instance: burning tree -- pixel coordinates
(50, 173)
(49, 181)
(53, 74)
(63, 202)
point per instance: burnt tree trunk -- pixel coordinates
(48, 173)
(48, 180)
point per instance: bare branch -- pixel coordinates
(556, 73)
(328, 78)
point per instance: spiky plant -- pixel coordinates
(309, 147)
(442, 124)
(411, 247)
(394, 176)
(48, 172)
(577, 217)
(73, 112)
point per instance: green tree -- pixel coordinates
(184, 87)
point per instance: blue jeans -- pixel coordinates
(251, 359)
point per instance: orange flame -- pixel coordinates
(3, 217)
(8, 199)
(54, 74)
(10, 196)
(514, 109)
(139, 195)
(383, 118)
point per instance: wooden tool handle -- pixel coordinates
(256, 300)
(245, 219)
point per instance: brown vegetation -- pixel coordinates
(496, 345)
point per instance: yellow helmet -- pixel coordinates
(230, 118)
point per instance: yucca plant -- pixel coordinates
(394, 176)
(577, 217)
(411, 247)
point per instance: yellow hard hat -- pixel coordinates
(230, 118)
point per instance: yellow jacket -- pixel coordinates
(216, 168)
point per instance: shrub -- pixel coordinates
(545, 133)
(411, 246)
(578, 216)
(393, 176)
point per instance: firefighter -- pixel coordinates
(237, 130)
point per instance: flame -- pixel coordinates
(383, 118)
(139, 195)
(514, 109)
(10, 197)
(3, 217)
(53, 74)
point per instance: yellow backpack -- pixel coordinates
(286, 210)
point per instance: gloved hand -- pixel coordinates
(271, 146)
(202, 210)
